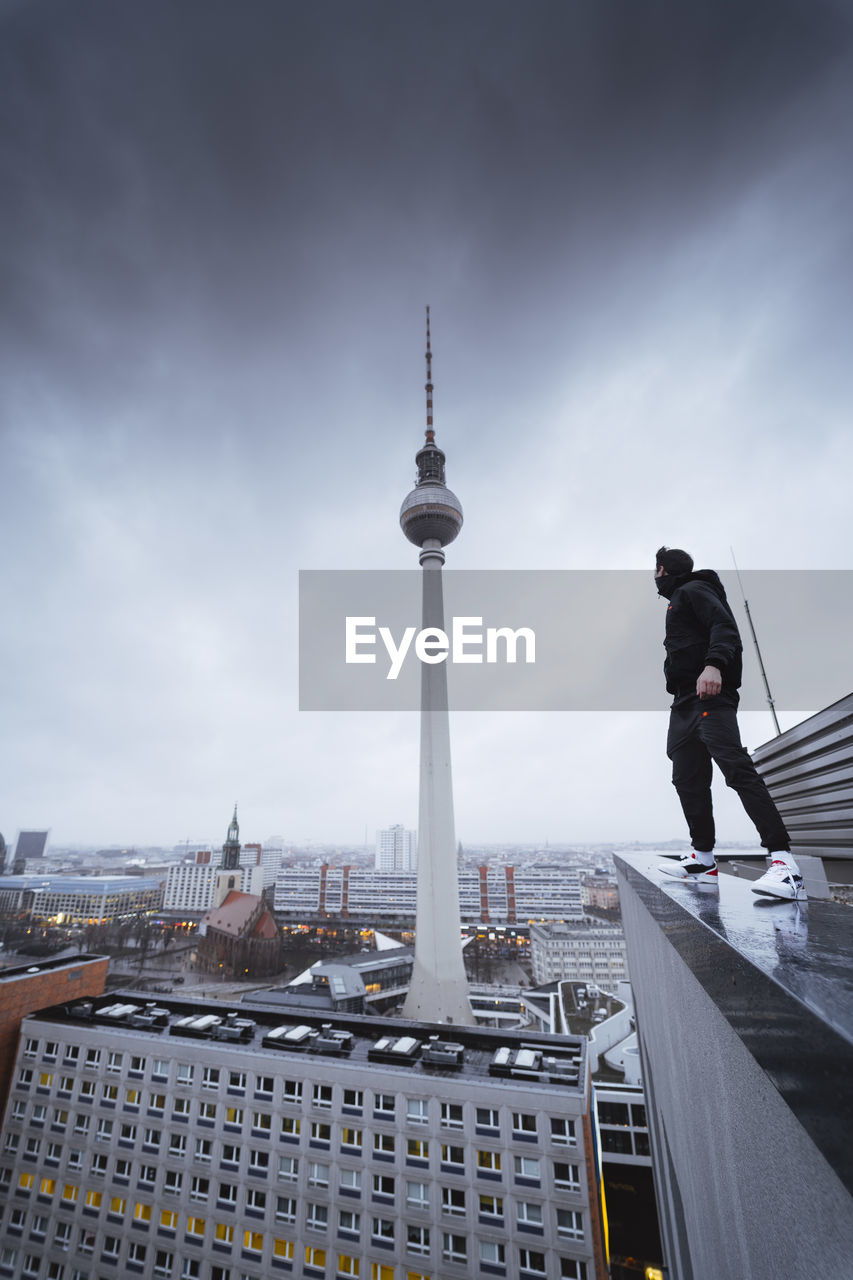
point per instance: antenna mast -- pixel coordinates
(429, 430)
(770, 701)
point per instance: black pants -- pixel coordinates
(702, 731)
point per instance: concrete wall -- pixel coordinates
(746, 1195)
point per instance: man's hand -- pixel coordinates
(709, 683)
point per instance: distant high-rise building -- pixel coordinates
(431, 517)
(396, 849)
(29, 846)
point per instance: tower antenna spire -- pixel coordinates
(430, 434)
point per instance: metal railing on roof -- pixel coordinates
(809, 773)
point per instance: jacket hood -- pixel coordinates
(670, 582)
(712, 579)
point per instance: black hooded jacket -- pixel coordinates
(700, 631)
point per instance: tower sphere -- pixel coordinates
(431, 511)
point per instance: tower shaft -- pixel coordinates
(439, 987)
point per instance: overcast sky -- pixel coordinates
(221, 223)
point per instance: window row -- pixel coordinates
(161, 1262)
(417, 1110)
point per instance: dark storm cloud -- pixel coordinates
(208, 160)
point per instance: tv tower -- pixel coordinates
(431, 517)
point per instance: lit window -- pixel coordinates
(282, 1248)
(491, 1207)
(118, 1205)
(315, 1257)
(141, 1212)
(490, 1161)
(94, 1199)
(417, 1149)
(347, 1265)
(195, 1227)
(253, 1241)
(351, 1138)
(169, 1219)
(47, 1186)
(224, 1233)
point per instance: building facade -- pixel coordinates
(589, 952)
(192, 887)
(499, 895)
(197, 1145)
(80, 900)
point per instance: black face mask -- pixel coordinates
(669, 582)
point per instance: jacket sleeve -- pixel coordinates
(724, 642)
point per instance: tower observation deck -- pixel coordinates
(431, 517)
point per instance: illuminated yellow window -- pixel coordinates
(118, 1204)
(347, 1266)
(224, 1233)
(133, 1097)
(195, 1226)
(282, 1248)
(417, 1148)
(47, 1186)
(94, 1199)
(351, 1138)
(69, 1193)
(142, 1212)
(169, 1219)
(379, 1271)
(233, 1115)
(314, 1257)
(290, 1125)
(416, 1275)
(254, 1241)
(25, 1181)
(489, 1160)
(46, 1079)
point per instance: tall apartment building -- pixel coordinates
(396, 849)
(587, 952)
(496, 895)
(191, 887)
(184, 1145)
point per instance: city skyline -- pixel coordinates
(216, 260)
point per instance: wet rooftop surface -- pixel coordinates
(781, 973)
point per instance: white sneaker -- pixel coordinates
(689, 867)
(780, 881)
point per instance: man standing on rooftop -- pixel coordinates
(703, 669)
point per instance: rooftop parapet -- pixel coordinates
(745, 1014)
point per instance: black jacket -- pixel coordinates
(700, 631)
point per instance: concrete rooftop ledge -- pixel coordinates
(781, 974)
